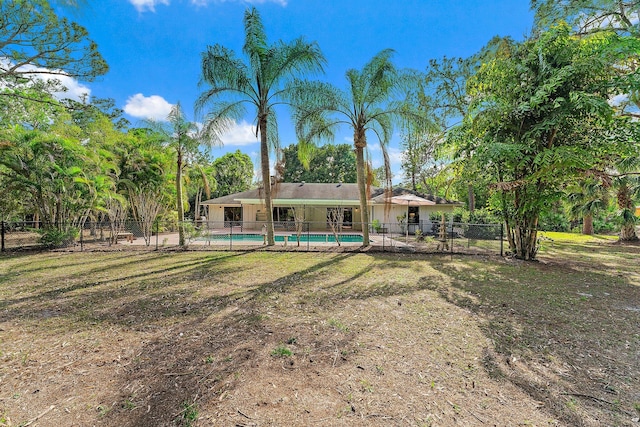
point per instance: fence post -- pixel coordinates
(157, 227)
(383, 236)
(308, 236)
(2, 233)
(231, 235)
(81, 238)
(451, 250)
(501, 239)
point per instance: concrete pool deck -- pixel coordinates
(171, 239)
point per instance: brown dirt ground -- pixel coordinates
(198, 338)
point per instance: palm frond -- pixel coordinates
(221, 118)
(223, 72)
(292, 60)
(273, 136)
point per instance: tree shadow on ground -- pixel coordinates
(200, 358)
(135, 279)
(564, 335)
(201, 312)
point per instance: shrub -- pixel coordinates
(54, 238)
(604, 225)
(553, 221)
(483, 216)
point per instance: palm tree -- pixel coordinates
(626, 184)
(181, 135)
(264, 81)
(627, 187)
(585, 200)
(370, 105)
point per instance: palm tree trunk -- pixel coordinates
(360, 143)
(625, 204)
(587, 225)
(266, 179)
(179, 199)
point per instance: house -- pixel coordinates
(316, 204)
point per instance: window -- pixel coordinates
(283, 214)
(232, 215)
(414, 215)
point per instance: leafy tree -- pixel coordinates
(430, 158)
(53, 172)
(36, 45)
(590, 16)
(526, 122)
(34, 115)
(232, 173)
(595, 16)
(419, 157)
(144, 170)
(86, 111)
(265, 80)
(372, 104)
(143, 160)
(621, 17)
(327, 164)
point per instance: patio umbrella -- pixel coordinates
(409, 199)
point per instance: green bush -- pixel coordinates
(553, 221)
(54, 238)
(604, 225)
(483, 216)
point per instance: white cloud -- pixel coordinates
(206, 2)
(69, 88)
(147, 107)
(619, 100)
(75, 89)
(240, 134)
(150, 5)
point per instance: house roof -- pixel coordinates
(379, 196)
(315, 193)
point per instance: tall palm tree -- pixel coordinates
(373, 103)
(180, 134)
(265, 80)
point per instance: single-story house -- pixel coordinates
(316, 204)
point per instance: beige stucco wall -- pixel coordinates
(390, 216)
(215, 215)
(317, 215)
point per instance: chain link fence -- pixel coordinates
(424, 237)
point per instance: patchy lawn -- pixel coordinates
(329, 339)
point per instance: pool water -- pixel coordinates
(311, 238)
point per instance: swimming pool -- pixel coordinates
(259, 238)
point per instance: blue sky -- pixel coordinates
(153, 47)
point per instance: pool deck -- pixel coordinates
(171, 239)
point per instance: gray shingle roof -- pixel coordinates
(318, 192)
(378, 196)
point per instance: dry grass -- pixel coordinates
(263, 338)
